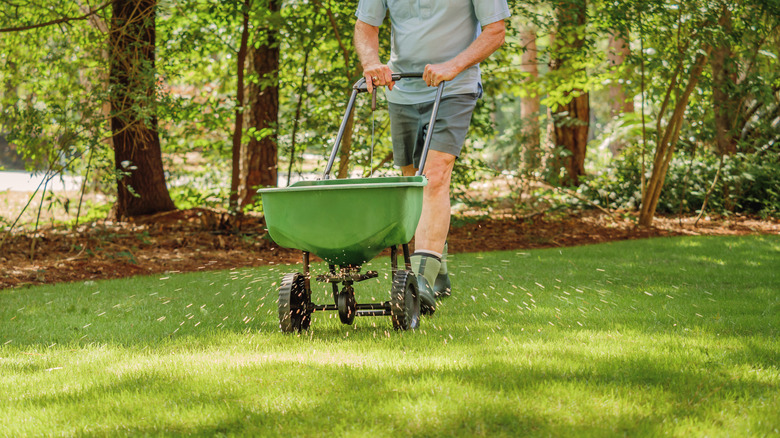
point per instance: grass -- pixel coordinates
(673, 336)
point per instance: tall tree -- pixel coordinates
(141, 187)
(352, 75)
(571, 116)
(724, 79)
(617, 51)
(529, 104)
(684, 38)
(238, 130)
(744, 72)
(262, 150)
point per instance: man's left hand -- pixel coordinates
(435, 73)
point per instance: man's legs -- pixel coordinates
(408, 128)
(434, 223)
(435, 219)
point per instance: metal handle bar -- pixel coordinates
(360, 87)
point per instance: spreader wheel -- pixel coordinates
(404, 301)
(347, 305)
(294, 301)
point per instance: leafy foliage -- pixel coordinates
(746, 183)
(53, 94)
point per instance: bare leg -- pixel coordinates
(435, 220)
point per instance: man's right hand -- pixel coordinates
(377, 75)
(367, 46)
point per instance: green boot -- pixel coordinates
(442, 286)
(426, 267)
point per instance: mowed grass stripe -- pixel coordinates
(670, 336)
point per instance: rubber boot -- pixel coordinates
(426, 267)
(441, 286)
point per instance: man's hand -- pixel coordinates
(367, 46)
(491, 38)
(377, 75)
(436, 73)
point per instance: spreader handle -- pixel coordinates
(360, 87)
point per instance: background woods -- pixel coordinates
(648, 106)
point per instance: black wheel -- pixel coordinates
(294, 300)
(347, 305)
(404, 301)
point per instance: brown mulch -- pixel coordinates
(201, 239)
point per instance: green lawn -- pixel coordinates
(672, 336)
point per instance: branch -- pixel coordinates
(57, 21)
(575, 195)
(334, 25)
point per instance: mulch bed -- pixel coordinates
(202, 239)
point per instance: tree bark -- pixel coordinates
(571, 120)
(345, 150)
(529, 106)
(667, 142)
(141, 187)
(262, 149)
(238, 129)
(346, 143)
(725, 102)
(617, 52)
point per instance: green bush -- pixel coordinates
(747, 184)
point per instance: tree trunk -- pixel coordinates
(572, 120)
(725, 101)
(667, 140)
(345, 150)
(141, 187)
(617, 52)
(262, 150)
(238, 129)
(346, 142)
(529, 106)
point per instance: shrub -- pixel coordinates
(747, 183)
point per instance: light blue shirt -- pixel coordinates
(431, 32)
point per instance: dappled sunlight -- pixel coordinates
(591, 340)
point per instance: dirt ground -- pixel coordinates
(201, 239)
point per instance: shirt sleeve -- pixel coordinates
(490, 11)
(372, 11)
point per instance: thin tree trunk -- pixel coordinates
(105, 110)
(298, 106)
(725, 102)
(346, 143)
(617, 52)
(262, 149)
(345, 150)
(529, 106)
(238, 130)
(572, 120)
(709, 192)
(141, 187)
(665, 148)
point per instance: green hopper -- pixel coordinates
(347, 222)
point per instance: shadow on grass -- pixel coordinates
(600, 397)
(673, 348)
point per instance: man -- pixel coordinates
(446, 40)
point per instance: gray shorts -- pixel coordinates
(409, 125)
